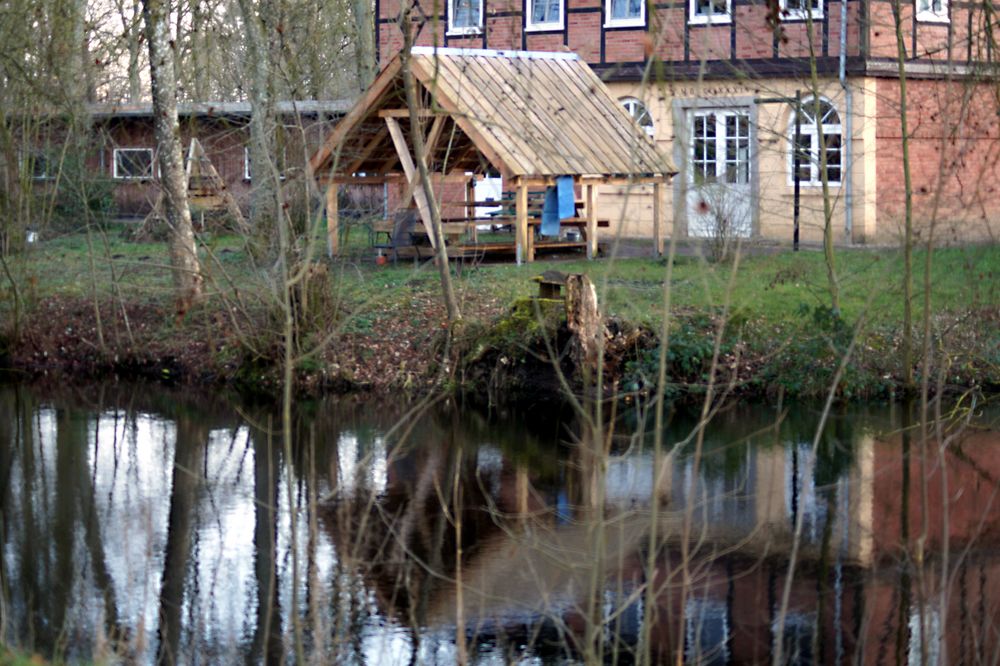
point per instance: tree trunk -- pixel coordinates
(364, 44)
(263, 171)
(173, 181)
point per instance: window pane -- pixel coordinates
(466, 14)
(545, 11)
(625, 9)
(136, 163)
(710, 7)
(833, 152)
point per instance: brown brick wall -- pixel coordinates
(954, 158)
(625, 45)
(585, 35)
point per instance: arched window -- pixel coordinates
(640, 114)
(816, 118)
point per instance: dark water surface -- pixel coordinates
(143, 524)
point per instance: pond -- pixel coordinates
(141, 523)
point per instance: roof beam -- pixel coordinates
(405, 113)
(367, 151)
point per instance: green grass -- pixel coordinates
(773, 286)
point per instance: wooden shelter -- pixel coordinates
(530, 116)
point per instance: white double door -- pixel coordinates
(719, 196)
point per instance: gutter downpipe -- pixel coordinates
(848, 169)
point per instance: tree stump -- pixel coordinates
(583, 318)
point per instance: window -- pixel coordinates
(710, 11)
(465, 17)
(793, 10)
(925, 637)
(797, 637)
(706, 632)
(36, 164)
(133, 163)
(544, 15)
(720, 147)
(932, 11)
(640, 114)
(824, 122)
(282, 163)
(624, 13)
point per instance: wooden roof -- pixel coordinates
(522, 113)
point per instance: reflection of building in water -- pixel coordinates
(529, 555)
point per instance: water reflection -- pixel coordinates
(154, 526)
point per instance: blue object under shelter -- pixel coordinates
(560, 203)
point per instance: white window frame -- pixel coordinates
(121, 176)
(709, 19)
(531, 25)
(802, 14)
(456, 31)
(631, 105)
(927, 14)
(627, 22)
(812, 131)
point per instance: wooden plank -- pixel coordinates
(521, 225)
(405, 113)
(470, 197)
(332, 221)
(525, 96)
(492, 108)
(586, 138)
(419, 194)
(545, 142)
(591, 221)
(450, 99)
(482, 105)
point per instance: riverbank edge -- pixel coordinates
(503, 359)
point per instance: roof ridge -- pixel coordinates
(495, 53)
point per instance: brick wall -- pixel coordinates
(954, 158)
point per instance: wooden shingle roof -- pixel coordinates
(528, 114)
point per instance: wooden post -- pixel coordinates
(657, 220)
(332, 220)
(471, 211)
(591, 221)
(521, 209)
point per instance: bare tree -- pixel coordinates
(183, 251)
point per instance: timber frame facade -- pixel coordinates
(714, 82)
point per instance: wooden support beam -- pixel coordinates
(403, 152)
(658, 220)
(430, 144)
(521, 224)
(332, 221)
(405, 113)
(591, 199)
(367, 151)
(470, 198)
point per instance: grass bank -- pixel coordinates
(96, 304)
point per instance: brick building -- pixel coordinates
(121, 151)
(713, 82)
